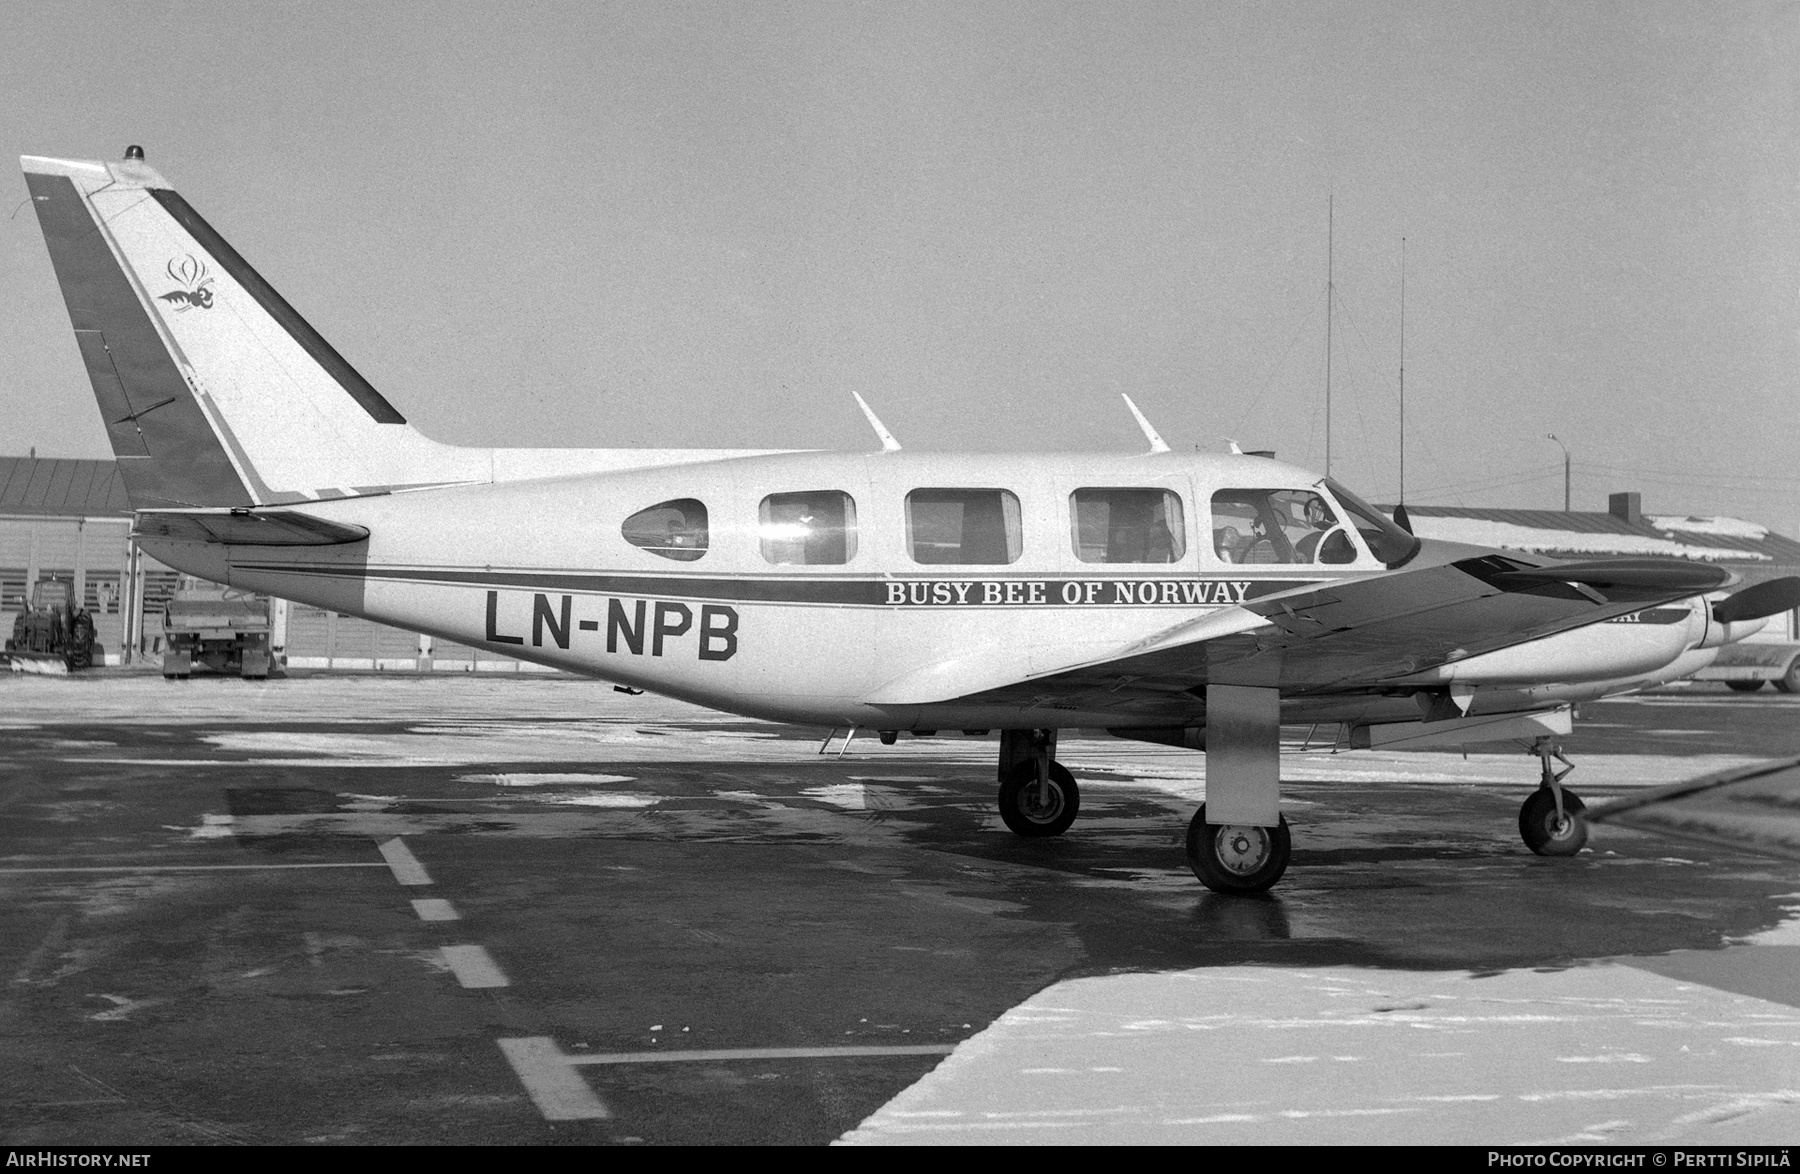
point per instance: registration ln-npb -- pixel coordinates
(1197, 600)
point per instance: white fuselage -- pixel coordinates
(543, 570)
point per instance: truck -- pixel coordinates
(51, 635)
(218, 629)
(1771, 655)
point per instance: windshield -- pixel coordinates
(1386, 541)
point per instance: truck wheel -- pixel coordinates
(1743, 686)
(1790, 681)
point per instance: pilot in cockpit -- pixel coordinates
(1327, 542)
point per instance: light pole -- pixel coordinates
(1565, 448)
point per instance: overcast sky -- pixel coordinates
(706, 224)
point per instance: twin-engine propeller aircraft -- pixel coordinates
(1195, 600)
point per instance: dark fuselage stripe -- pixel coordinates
(966, 592)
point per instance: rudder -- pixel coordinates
(168, 452)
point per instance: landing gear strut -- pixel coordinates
(1038, 796)
(1237, 859)
(1553, 821)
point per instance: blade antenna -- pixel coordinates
(888, 443)
(1157, 444)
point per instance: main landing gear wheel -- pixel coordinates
(1034, 810)
(1743, 686)
(1237, 859)
(1547, 835)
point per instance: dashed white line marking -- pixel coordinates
(474, 967)
(435, 909)
(52, 943)
(554, 1087)
(406, 866)
(827, 1053)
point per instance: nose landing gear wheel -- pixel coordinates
(1544, 833)
(1237, 859)
(1032, 814)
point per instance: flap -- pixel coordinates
(996, 667)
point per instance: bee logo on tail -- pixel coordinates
(191, 274)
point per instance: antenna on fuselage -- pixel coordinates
(1157, 443)
(888, 443)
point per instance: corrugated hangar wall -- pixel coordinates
(319, 639)
(93, 554)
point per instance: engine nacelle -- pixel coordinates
(1629, 646)
(1719, 635)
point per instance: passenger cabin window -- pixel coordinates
(1127, 525)
(1278, 526)
(966, 526)
(672, 529)
(808, 529)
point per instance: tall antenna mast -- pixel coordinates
(1329, 226)
(1402, 370)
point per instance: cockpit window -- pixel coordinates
(673, 529)
(1127, 525)
(1386, 540)
(808, 529)
(967, 526)
(1278, 526)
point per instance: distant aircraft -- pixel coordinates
(1196, 600)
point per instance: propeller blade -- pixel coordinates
(1764, 599)
(1658, 574)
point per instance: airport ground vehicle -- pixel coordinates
(1771, 655)
(217, 629)
(51, 634)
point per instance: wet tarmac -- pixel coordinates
(407, 910)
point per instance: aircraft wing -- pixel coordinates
(1351, 636)
(246, 527)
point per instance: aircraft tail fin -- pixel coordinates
(214, 390)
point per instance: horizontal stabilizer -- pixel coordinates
(242, 527)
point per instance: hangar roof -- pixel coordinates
(1746, 546)
(55, 487)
